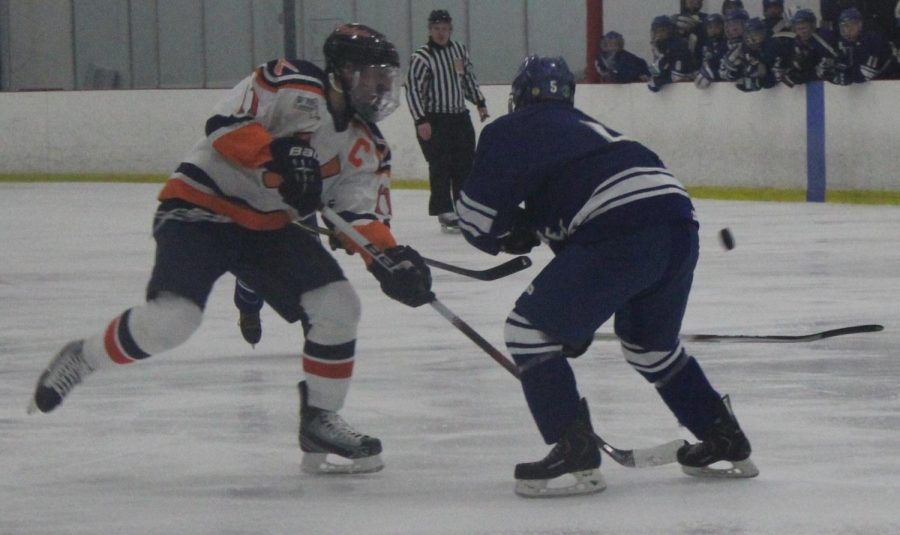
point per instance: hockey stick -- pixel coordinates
(637, 458)
(497, 272)
(765, 339)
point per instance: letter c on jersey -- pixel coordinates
(361, 144)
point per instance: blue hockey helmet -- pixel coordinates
(662, 21)
(542, 79)
(804, 15)
(850, 14)
(767, 3)
(737, 14)
(755, 31)
(714, 18)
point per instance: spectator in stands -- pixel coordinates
(862, 55)
(730, 64)
(714, 49)
(672, 61)
(774, 17)
(616, 65)
(811, 49)
(691, 26)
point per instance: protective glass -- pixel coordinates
(374, 90)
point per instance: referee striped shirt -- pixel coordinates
(440, 80)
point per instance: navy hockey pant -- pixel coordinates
(643, 278)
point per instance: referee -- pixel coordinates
(439, 82)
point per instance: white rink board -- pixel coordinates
(717, 137)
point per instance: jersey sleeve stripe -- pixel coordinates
(246, 146)
(331, 168)
(178, 187)
(290, 81)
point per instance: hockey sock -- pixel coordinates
(333, 312)
(158, 325)
(551, 393)
(691, 398)
(245, 299)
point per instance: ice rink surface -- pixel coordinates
(202, 439)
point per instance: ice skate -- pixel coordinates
(67, 369)
(449, 223)
(325, 434)
(572, 467)
(251, 327)
(725, 442)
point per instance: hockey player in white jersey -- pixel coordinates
(229, 207)
(356, 167)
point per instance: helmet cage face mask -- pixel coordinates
(373, 91)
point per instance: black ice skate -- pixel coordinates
(251, 327)
(449, 223)
(724, 442)
(325, 432)
(67, 369)
(574, 456)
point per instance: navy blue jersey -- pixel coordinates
(579, 180)
(807, 57)
(672, 62)
(867, 58)
(623, 67)
(712, 52)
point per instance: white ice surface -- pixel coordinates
(202, 439)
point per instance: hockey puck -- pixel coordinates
(727, 239)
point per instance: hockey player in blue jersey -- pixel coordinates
(626, 243)
(862, 55)
(811, 49)
(672, 59)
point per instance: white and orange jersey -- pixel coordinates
(224, 172)
(356, 169)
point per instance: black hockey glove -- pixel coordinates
(408, 280)
(521, 238)
(298, 165)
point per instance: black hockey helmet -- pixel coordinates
(360, 45)
(542, 79)
(438, 16)
(363, 65)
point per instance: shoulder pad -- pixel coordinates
(294, 73)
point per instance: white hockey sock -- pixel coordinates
(158, 325)
(328, 354)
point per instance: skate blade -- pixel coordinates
(737, 470)
(585, 482)
(450, 230)
(324, 463)
(32, 406)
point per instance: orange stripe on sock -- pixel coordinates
(340, 370)
(111, 344)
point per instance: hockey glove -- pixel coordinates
(298, 165)
(521, 238)
(408, 280)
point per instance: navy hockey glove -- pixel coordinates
(521, 238)
(298, 165)
(408, 280)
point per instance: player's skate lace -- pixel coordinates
(65, 371)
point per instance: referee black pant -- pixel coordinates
(449, 153)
